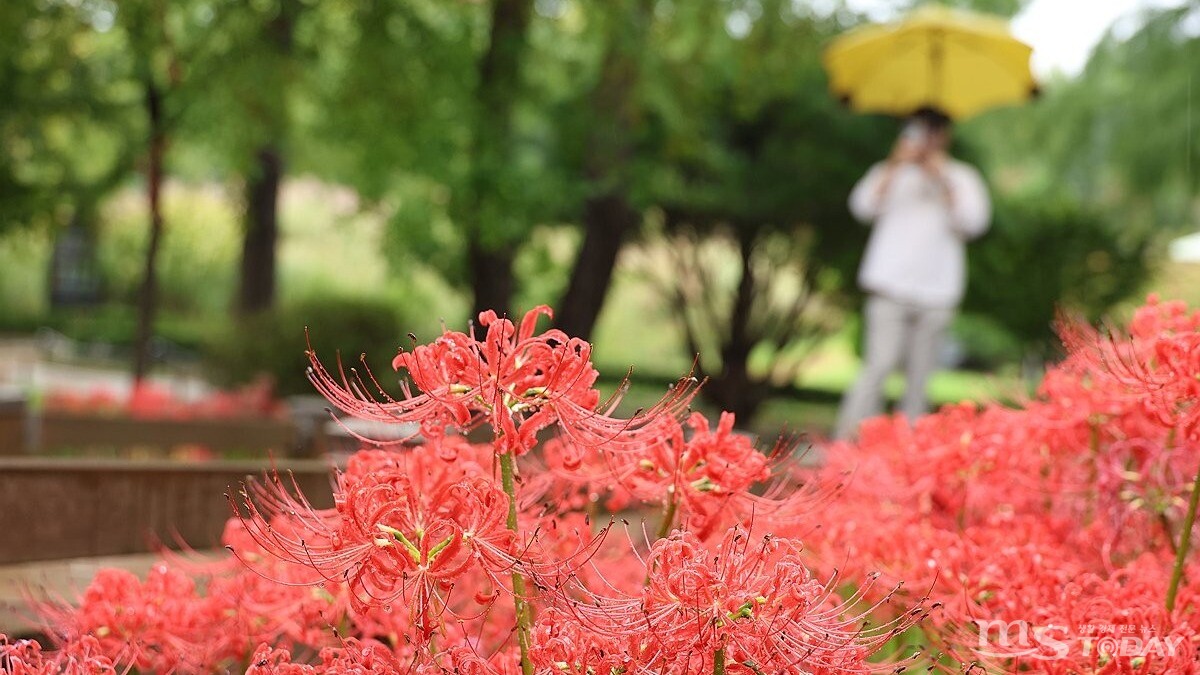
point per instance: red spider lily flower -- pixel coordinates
(162, 624)
(352, 657)
(358, 657)
(758, 602)
(1074, 623)
(751, 599)
(267, 660)
(519, 382)
(403, 529)
(563, 644)
(708, 478)
(702, 474)
(1157, 368)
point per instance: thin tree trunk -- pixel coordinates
(257, 287)
(606, 221)
(148, 301)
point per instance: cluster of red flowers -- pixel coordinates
(1050, 532)
(147, 401)
(1036, 539)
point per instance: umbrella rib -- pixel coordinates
(984, 53)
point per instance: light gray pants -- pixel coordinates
(895, 331)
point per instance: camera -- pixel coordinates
(915, 134)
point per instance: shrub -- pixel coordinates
(1043, 256)
(274, 342)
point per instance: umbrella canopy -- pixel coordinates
(956, 61)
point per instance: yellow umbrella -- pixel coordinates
(959, 62)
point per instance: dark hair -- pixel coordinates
(932, 118)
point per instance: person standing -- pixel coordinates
(923, 206)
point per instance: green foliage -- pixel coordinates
(1122, 136)
(23, 274)
(1041, 257)
(199, 250)
(1005, 8)
(986, 343)
(759, 145)
(542, 266)
(1119, 139)
(712, 115)
(69, 139)
(756, 156)
(274, 342)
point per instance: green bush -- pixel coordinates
(986, 344)
(273, 343)
(1043, 256)
(24, 272)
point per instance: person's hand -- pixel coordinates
(934, 163)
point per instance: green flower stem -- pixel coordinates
(665, 528)
(719, 662)
(1185, 541)
(668, 516)
(524, 620)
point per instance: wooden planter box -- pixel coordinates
(64, 508)
(12, 426)
(63, 430)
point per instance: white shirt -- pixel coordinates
(916, 252)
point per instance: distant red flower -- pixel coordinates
(82, 656)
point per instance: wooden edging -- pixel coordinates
(54, 429)
(77, 508)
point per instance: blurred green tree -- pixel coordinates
(611, 113)
(66, 138)
(255, 68)
(399, 139)
(488, 210)
(1045, 256)
(758, 154)
(1120, 136)
(1093, 177)
(448, 141)
(1006, 8)
(91, 76)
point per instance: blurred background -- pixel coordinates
(185, 185)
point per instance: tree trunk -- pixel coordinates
(491, 261)
(491, 279)
(257, 287)
(606, 220)
(148, 301)
(608, 216)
